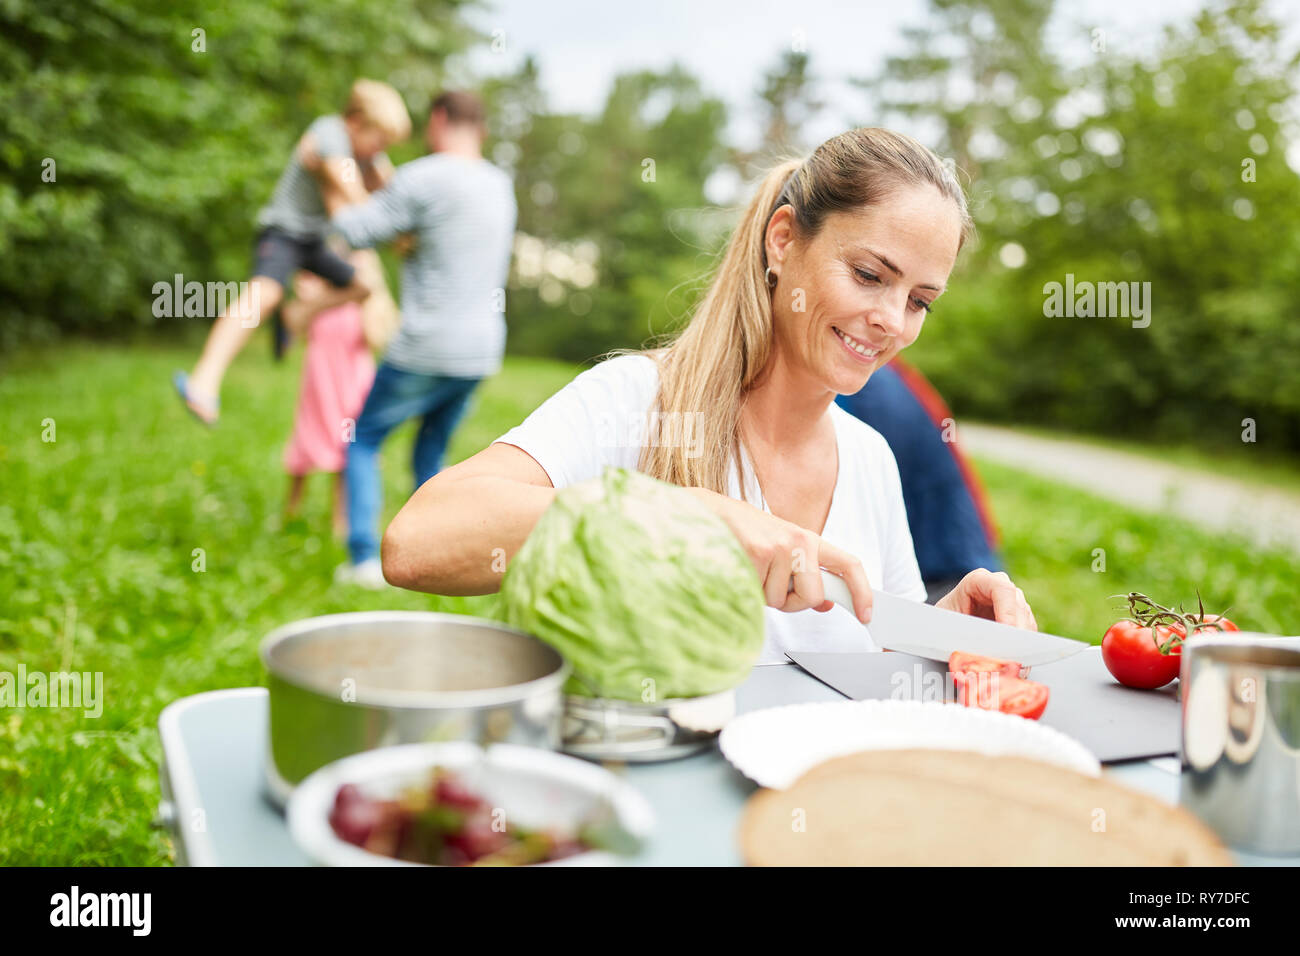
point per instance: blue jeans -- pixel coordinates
(396, 396)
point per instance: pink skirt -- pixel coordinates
(337, 373)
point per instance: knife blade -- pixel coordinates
(911, 627)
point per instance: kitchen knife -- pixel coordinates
(911, 627)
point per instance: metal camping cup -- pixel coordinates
(1241, 738)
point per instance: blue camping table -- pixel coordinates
(214, 746)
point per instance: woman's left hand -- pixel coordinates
(992, 595)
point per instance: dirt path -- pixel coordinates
(1268, 516)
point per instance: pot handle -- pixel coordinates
(612, 720)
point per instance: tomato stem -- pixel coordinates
(1181, 624)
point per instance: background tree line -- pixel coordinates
(1165, 167)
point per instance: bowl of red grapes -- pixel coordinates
(457, 804)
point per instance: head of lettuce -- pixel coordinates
(644, 589)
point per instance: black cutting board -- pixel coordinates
(1114, 722)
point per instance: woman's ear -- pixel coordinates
(779, 236)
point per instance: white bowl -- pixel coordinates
(774, 747)
(537, 788)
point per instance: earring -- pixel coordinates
(769, 278)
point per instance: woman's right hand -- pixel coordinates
(784, 553)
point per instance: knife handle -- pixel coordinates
(835, 589)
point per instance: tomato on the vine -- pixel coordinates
(1137, 657)
(1223, 623)
(1145, 651)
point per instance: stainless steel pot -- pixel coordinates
(345, 683)
(1241, 738)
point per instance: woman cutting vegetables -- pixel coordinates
(830, 274)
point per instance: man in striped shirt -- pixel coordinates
(461, 211)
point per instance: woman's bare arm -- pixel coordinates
(456, 533)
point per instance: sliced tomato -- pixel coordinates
(1024, 698)
(991, 690)
(961, 662)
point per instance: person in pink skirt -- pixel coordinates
(337, 373)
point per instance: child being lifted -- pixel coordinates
(338, 161)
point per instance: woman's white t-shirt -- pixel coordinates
(602, 418)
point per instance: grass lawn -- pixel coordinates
(1050, 533)
(99, 530)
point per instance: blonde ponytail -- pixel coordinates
(705, 372)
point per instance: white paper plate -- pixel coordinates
(774, 747)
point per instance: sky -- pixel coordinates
(582, 44)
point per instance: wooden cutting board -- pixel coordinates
(1114, 722)
(948, 808)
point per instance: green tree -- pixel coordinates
(623, 188)
(788, 98)
(1167, 170)
(139, 137)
